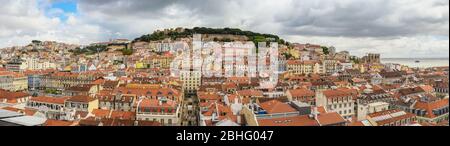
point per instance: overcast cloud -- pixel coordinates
(396, 28)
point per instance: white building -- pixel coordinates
(340, 100)
(191, 80)
(366, 109)
(34, 63)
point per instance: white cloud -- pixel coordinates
(394, 28)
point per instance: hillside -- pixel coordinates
(175, 34)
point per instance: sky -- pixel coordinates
(394, 28)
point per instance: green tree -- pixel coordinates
(326, 50)
(127, 52)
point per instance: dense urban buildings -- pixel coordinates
(214, 77)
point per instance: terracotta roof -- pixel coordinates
(26, 111)
(13, 109)
(289, 121)
(282, 99)
(123, 115)
(326, 119)
(275, 106)
(154, 103)
(208, 96)
(321, 110)
(81, 98)
(12, 74)
(98, 81)
(53, 100)
(340, 93)
(219, 109)
(408, 91)
(427, 88)
(12, 95)
(430, 106)
(229, 85)
(302, 93)
(250, 93)
(100, 113)
(50, 122)
(111, 83)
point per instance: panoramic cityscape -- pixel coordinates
(158, 63)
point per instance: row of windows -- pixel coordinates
(401, 122)
(342, 105)
(162, 121)
(51, 106)
(344, 112)
(79, 106)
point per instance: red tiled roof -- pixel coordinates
(340, 93)
(250, 93)
(289, 121)
(427, 88)
(302, 93)
(429, 107)
(123, 115)
(208, 96)
(219, 109)
(152, 103)
(81, 98)
(53, 100)
(12, 95)
(275, 106)
(100, 113)
(26, 111)
(50, 122)
(12, 74)
(330, 119)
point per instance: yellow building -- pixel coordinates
(82, 103)
(295, 67)
(155, 61)
(140, 65)
(20, 82)
(13, 81)
(376, 67)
